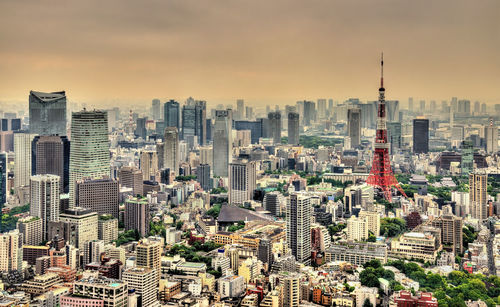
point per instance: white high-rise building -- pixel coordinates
(491, 137)
(11, 251)
(22, 158)
(223, 142)
(171, 149)
(298, 227)
(89, 149)
(144, 282)
(291, 291)
(357, 229)
(373, 220)
(44, 199)
(242, 181)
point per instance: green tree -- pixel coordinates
(367, 303)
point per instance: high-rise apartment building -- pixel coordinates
(11, 252)
(451, 231)
(491, 137)
(137, 215)
(293, 128)
(98, 195)
(171, 114)
(357, 229)
(478, 196)
(22, 158)
(149, 164)
(171, 154)
(107, 228)
(44, 199)
(372, 219)
(223, 143)
(50, 155)
(291, 290)
(149, 256)
(131, 177)
(298, 227)
(275, 126)
(89, 156)
(420, 135)
(31, 228)
(143, 281)
(242, 181)
(354, 126)
(47, 113)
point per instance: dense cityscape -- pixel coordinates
(278, 153)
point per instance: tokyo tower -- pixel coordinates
(381, 175)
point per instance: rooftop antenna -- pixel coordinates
(382, 71)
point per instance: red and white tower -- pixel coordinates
(381, 175)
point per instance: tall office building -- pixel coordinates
(137, 215)
(22, 158)
(131, 177)
(392, 107)
(107, 228)
(31, 228)
(298, 227)
(255, 127)
(89, 156)
(291, 290)
(309, 112)
(11, 252)
(275, 126)
(203, 176)
(92, 252)
(491, 137)
(223, 142)
(394, 135)
(50, 155)
(83, 222)
(171, 114)
(293, 128)
(451, 231)
(47, 113)
(206, 155)
(242, 181)
(143, 282)
(140, 128)
(194, 122)
(3, 183)
(420, 135)
(156, 112)
(171, 155)
(149, 164)
(99, 195)
(44, 199)
(240, 109)
(321, 108)
(354, 126)
(478, 196)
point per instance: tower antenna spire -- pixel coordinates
(382, 70)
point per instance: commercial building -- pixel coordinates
(107, 228)
(171, 155)
(356, 253)
(242, 181)
(40, 284)
(417, 245)
(113, 292)
(171, 114)
(22, 158)
(291, 290)
(194, 119)
(275, 126)
(357, 229)
(298, 227)
(372, 219)
(83, 222)
(47, 113)
(420, 135)
(99, 195)
(274, 202)
(89, 156)
(451, 231)
(137, 215)
(203, 176)
(143, 281)
(223, 143)
(31, 228)
(293, 128)
(149, 255)
(491, 138)
(131, 177)
(478, 196)
(406, 299)
(231, 286)
(149, 164)
(50, 155)
(354, 126)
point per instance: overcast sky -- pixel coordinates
(263, 51)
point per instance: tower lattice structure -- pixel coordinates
(381, 174)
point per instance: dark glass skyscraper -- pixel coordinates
(293, 128)
(275, 126)
(50, 155)
(354, 126)
(171, 114)
(47, 113)
(420, 135)
(194, 116)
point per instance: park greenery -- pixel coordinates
(392, 227)
(194, 254)
(128, 236)
(373, 270)
(469, 235)
(185, 178)
(336, 229)
(214, 211)
(218, 190)
(236, 227)
(314, 141)
(9, 220)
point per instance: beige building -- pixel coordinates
(149, 255)
(44, 198)
(373, 220)
(357, 229)
(31, 229)
(22, 158)
(416, 245)
(478, 195)
(85, 222)
(291, 290)
(99, 195)
(131, 177)
(143, 280)
(149, 164)
(250, 269)
(242, 181)
(10, 251)
(107, 228)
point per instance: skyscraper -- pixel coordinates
(22, 158)
(273, 202)
(131, 177)
(89, 148)
(149, 164)
(99, 195)
(321, 108)
(491, 137)
(223, 142)
(392, 107)
(137, 215)
(478, 195)
(354, 126)
(291, 290)
(50, 155)
(394, 135)
(171, 114)
(194, 122)
(293, 128)
(140, 129)
(298, 227)
(11, 253)
(420, 135)
(44, 199)
(242, 181)
(309, 112)
(156, 113)
(47, 113)
(3, 183)
(203, 176)
(275, 126)
(171, 149)
(240, 109)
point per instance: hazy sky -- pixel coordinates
(262, 51)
